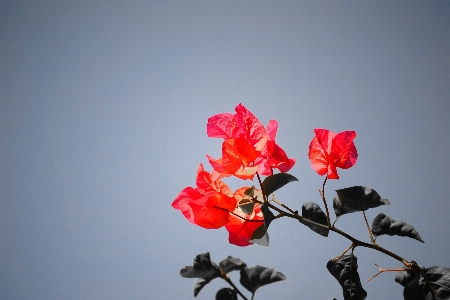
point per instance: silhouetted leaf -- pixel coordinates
(257, 276)
(313, 212)
(199, 284)
(226, 294)
(356, 198)
(231, 264)
(246, 205)
(250, 191)
(345, 270)
(274, 182)
(202, 267)
(410, 281)
(383, 224)
(260, 236)
(440, 280)
(268, 215)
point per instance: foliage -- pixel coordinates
(249, 149)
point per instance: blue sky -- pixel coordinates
(103, 109)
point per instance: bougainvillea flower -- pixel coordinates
(241, 226)
(273, 156)
(242, 124)
(209, 205)
(237, 159)
(329, 151)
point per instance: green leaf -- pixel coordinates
(273, 182)
(383, 224)
(345, 270)
(356, 198)
(257, 276)
(231, 264)
(226, 294)
(313, 212)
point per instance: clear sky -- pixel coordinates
(103, 109)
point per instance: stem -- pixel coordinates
(227, 279)
(322, 193)
(368, 228)
(261, 186)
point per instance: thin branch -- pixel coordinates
(381, 270)
(368, 228)
(227, 279)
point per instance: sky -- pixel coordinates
(103, 111)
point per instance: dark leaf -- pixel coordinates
(260, 236)
(199, 284)
(226, 294)
(356, 198)
(257, 276)
(345, 270)
(231, 264)
(250, 191)
(202, 267)
(268, 215)
(246, 206)
(440, 280)
(410, 281)
(313, 212)
(383, 224)
(273, 182)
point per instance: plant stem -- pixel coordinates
(227, 279)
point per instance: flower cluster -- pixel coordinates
(248, 149)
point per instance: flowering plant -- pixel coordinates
(249, 149)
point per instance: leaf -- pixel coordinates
(226, 294)
(250, 191)
(313, 212)
(383, 224)
(268, 215)
(202, 267)
(345, 270)
(440, 280)
(273, 182)
(246, 205)
(262, 241)
(356, 198)
(231, 264)
(257, 276)
(410, 281)
(199, 284)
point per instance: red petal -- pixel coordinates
(222, 126)
(183, 200)
(250, 128)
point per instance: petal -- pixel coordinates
(206, 184)
(317, 156)
(222, 126)
(212, 211)
(343, 149)
(250, 128)
(241, 231)
(183, 200)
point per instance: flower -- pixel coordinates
(241, 225)
(328, 151)
(248, 147)
(209, 204)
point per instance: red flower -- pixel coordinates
(248, 147)
(242, 227)
(273, 156)
(209, 205)
(329, 151)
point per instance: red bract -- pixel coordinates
(241, 226)
(243, 132)
(329, 151)
(237, 159)
(273, 156)
(209, 205)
